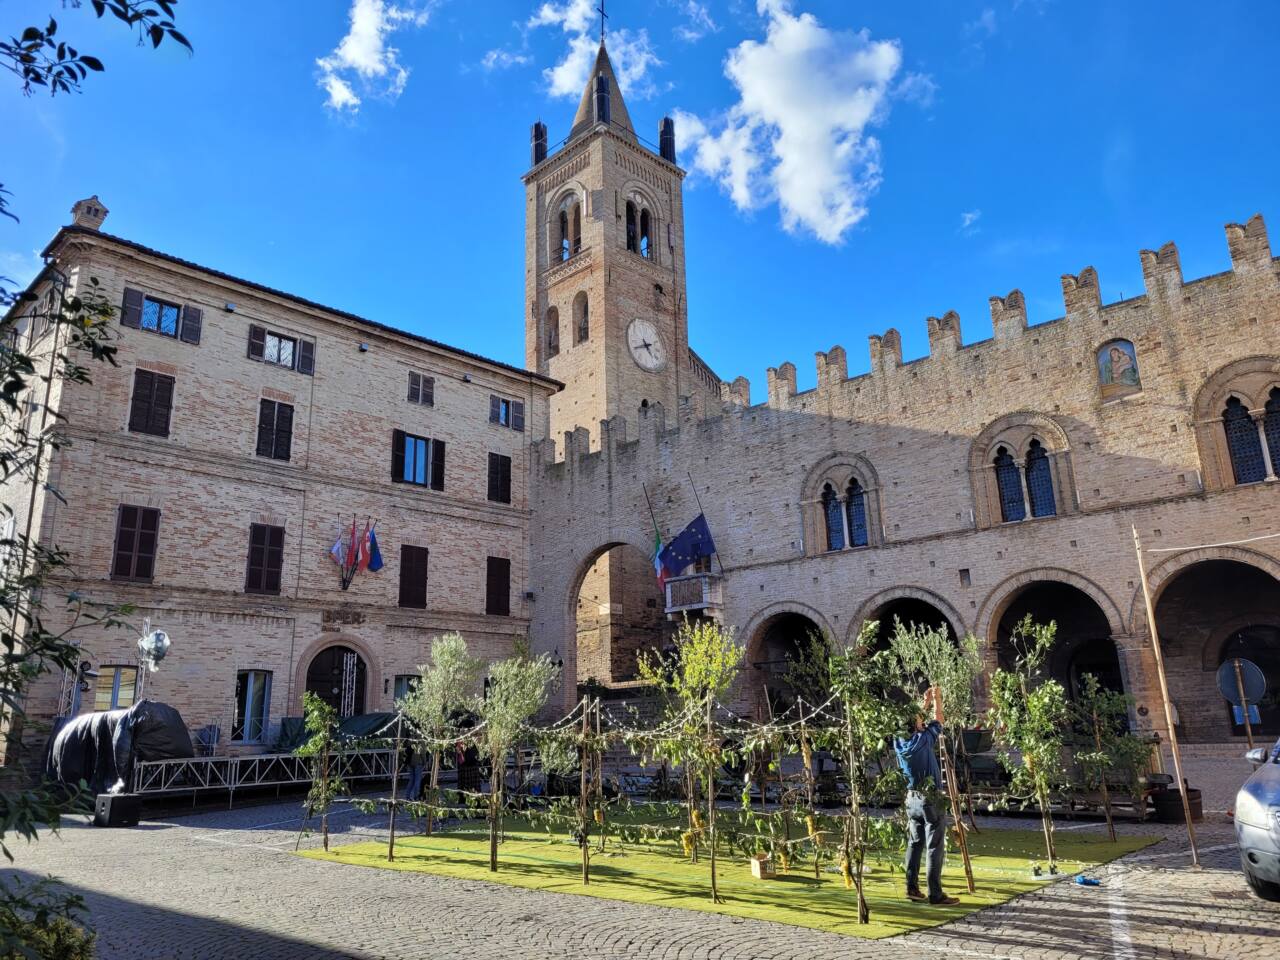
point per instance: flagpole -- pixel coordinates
(698, 501)
(656, 531)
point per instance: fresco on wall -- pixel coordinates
(1118, 369)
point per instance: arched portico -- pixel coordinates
(910, 605)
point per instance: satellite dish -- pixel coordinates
(1251, 678)
(152, 647)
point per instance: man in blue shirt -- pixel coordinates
(926, 821)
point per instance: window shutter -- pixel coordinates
(397, 456)
(517, 415)
(191, 323)
(415, 387)
(495, 409)
(284, 431)
(140, 407)
(126, 531)
(266, 427)
(161, 405)
(493, 476)
(274, 560)
(437, 464)
(413, 576)
(307, 357)
(429, 391)
(148, 529)
(498, 587)
(257, 557)
(257, 342)
(131, 309)
(504, 483)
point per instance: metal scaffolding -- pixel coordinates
(194, 774)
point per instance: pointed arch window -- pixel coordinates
(564, 235)
(834, 518)
(1009, 483)
(646, 239)
(553, 332)
(583, 317)
(1244, 442)
(1040, 481)
(633, 228)
(1271, 427)
(855, 505)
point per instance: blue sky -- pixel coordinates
(854, 166)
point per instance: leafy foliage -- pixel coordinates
(320, 720)
(41, 58)
(1107, 753)
(38, 922)
(930, 658)
(1030, 717)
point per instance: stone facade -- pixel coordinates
(209, 484)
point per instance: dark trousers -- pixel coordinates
(926, 829)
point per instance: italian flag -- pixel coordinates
(658, 569)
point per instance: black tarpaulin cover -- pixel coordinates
(101, 748)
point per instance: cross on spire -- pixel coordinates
(603, 17)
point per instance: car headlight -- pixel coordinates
(1250, 810)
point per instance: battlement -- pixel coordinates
(958, 382)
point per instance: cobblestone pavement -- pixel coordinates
(219, 885)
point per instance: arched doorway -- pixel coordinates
(911, 611)
(619, 613)
(1082, 644)
(338, 676)
(1209, 612)
(779, 642)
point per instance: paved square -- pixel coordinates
(210, 886)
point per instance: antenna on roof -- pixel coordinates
(603, 17)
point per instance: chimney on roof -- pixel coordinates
(89, 213)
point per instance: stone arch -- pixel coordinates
(1015, 431)
(998, 600)
(572, 196)
(373, 667)
(838, 469)
(611, 638)
(886, 597)
(758, 680)
(752, 635)
(1163, 573)
(1251, 381)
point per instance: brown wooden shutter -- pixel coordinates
(266, 427)
(257, 558)
(504, 487)
(413, 576)
(131, 309)
(191, 323)
(284, 431)
(495, 409)
(437, 464)
(429, 391)
(397, 456)
(148, 533)
(493, 476)
(517, 415)
(126, 538)
(161, 405)
(498, 587)
(144, 382)
(274, 560)
(415, 387)
(307, 357)
(257, 342)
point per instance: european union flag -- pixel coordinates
(690, 544)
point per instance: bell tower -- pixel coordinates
(604, 266)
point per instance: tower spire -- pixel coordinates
(603, 17)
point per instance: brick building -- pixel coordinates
(212, 471)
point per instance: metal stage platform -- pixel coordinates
(153, 778)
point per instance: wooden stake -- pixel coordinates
(395, 784)
(1106, 797)
(1164, 695)
(1244, 702)
(584, 841)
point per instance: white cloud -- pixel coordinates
(502, 59)
(631, 52)
(985, 25)
(697, 22)
(969, 223)
(798, 134)
(364, 58)
(917, 88)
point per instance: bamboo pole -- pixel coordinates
(1102, 778)
(584, 841)
(712, 753)
(1244, 702)
(1164, 695)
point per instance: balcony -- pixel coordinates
(701, 593)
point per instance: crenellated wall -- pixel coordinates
(927, 429)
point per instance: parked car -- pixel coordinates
(1257, 817)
